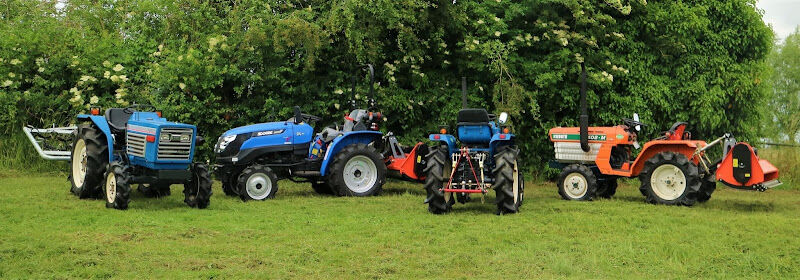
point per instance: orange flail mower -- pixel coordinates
(673, 169)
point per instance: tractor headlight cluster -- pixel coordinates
(268, 132)
(223, 142)
(164, 137)
(185, 137)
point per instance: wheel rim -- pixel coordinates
(575, 185)
(668, 182)
(448, 167)
(360, 174)
(79, 158)
(111, 187)
(517, 187)
(258, 186)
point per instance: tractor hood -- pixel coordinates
(259, 127)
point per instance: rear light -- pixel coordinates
(502, 136)
(95, 111)
(443, 131)
(437, 137)
(150, 138)
(158, 113)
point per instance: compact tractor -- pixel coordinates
(481, 155)
(127, 146)
(344, 160)
(673, 168)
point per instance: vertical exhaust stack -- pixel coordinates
(371, 87)
(371, 95)
(584, 118)
(463, 92)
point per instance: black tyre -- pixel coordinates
(708, 186)
(607, 188)
(506, 180)
(257, 182)
(670, 178)
(229, 184)
(197, 191)
(321, 188)
(437, 173)
(88, 162)
(577, 182)
(116, 187)
(357, 170)
(155, 190)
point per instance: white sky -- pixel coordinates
(783, 15)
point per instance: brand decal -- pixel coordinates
(592, 137)
(142, 129)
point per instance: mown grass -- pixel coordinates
(48, 233)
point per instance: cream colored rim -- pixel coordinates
(79, 163)
(446, 176)
(111, 187)
(668, 182)
(516, 183)
(575, 185)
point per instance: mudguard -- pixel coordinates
(445, 139)
(348, 138)
(501, 139)
(102, 124)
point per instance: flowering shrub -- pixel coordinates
(221, 64)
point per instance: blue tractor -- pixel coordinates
(482, 155)
(128, 146)
(344, 160)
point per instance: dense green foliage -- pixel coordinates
(221, 64)
(784, 108)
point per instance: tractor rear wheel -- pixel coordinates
(155, 190)
(89, 159)
(197, 191)
(437, 173)
(257, 182)
(577, 182)
(357, 170)
(670, 178)
(117, 188)
(321, 187)
(607, 188)
(506, 180)
(709, 184)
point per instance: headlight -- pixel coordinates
(165, 137)
(268, 132)
(185, 138)
(224, 141)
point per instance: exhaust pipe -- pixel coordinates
(463, 92)
(584, 118)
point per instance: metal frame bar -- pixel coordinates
(49, 155)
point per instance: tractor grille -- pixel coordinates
(174, 148)
(136, 144)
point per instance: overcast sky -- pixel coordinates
(784, 15)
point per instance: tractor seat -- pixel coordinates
(473, 127)
(117, 118)
(473, 117)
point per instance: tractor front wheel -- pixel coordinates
(257, 182)
(88, 162)
(357, 170)
(437, 173)
(155, 190)
(116, 187)
(577, 182)
(670, 178)
(506, 181)
(197, 191)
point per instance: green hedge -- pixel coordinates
(222, 64)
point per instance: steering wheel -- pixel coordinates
(308, 118)
(136, 107)
(632, 123)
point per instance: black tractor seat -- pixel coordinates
(117, 118)
(473, 117)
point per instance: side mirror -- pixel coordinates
(503, 118)
(636, 118)
(298, 116)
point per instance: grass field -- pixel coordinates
(48, 233)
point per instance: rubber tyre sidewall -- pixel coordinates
(96, 162)
(591, 182)
(690, 172)
(197, 190)
(436, 175)
(123, 189)
(336, 176)
(250, 171)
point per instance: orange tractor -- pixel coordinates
(673, 168)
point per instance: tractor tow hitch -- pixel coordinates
(478, 186)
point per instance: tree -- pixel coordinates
(784, 107)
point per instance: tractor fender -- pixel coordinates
(102, 124)
(501, 139)
(348, 138)
(445, 139)
(650, 149)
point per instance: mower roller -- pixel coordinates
(109, 153)
(673, 168)
(481, 156)
(352, 159)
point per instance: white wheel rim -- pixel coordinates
(79, 163)
(517, 185)
(668, 182)
(575, 185)
(258, 186)
(448, 167)
(111, 187)
(360, 174)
